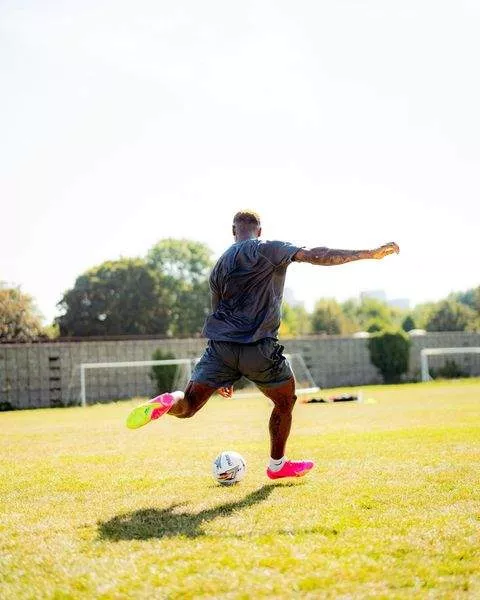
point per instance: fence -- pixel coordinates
(47, 374)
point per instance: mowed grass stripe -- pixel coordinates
(90, 509)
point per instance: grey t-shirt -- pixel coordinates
(247, 289)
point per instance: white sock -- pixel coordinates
(276, 463)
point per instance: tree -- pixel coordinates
(295, 321)
(370, 315)
(450, 315)
(371, 310)
(183, 260)
(375, 325)
(327, 317)
(470, 298)
(408, 323)
(192, 304)
(421, 313)
(19, 319)
(390, 353)
(116, 298)
(302, 320)
(184, 266)
(350, 312)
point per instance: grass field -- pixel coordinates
(90, 509)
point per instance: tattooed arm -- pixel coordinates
(329, 256)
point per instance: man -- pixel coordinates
(247, 286)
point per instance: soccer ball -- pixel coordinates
(229, 468)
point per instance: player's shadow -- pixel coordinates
(160, 523)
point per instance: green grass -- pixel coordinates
(93, 510)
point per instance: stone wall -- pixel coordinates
(48, 374)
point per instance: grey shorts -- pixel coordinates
(223, 363)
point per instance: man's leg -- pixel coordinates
(195, 396)
(179, 404)
(283, 398)
(265, 364)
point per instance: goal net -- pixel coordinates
(97, 382)
(426, 353)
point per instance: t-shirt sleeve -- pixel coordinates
(214, 293)
(278, 253)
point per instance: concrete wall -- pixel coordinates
(47, 374)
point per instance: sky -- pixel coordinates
(345, 123)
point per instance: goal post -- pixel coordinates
(126, 365)
(304, 380)
(426, 352)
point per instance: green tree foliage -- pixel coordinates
(327, 317)
(470, 298)
(371, 311)
(163, 376)
(351, 322)
(184, 266)
(52, 331)
(116, 298)
(421, 314)
(370, 315)
(302, 320)
(408, 323)
(350, 311)
(390, 353)
(183, 260)
(375, 325)
(19, 320)
(449, 315)
(295, 321)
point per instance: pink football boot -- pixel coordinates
(292, 468)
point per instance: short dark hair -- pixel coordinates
(247, 217)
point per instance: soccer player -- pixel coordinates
(246, 288)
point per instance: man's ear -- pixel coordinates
(234, 230)
(259, 232)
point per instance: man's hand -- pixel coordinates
(385, 250)
(226, 392)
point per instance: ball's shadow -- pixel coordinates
(166, 522)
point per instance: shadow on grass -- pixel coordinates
(161, 523)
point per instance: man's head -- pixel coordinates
(246, 225)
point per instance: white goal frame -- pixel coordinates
(174, 361)
(426, 352)
(126, 364)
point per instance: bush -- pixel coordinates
(450, 370)
(390, 353)
(163, 376)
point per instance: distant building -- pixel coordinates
(403, 303)
(375, 294)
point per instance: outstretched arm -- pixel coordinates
(329, 256)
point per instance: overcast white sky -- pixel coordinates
(344, 123)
